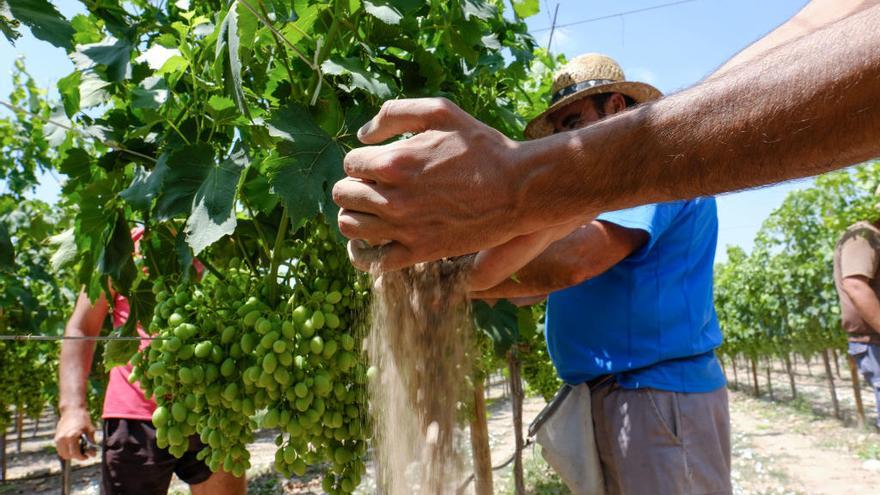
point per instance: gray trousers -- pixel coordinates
(652, 441)
(867, 358)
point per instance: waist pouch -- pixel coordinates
(564, 429)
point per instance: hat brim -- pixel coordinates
(540, 126)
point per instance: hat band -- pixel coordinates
(580, 86)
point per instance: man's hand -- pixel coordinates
(70, 427)
(452, 189)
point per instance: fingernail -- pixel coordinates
(365, 129)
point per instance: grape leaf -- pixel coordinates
(361, 77)
(213, 207)
(70, 96)
(187, 169)
(44, 20)
(477, 8)
(391, 11)
(500, 323)
(116, 260)
(152, 93)
(111, 53)
(229, 38)
(307, 164)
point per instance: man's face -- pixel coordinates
(583, 112)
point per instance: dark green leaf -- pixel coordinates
(7, 252)
(44, 20)
(116, 260)
(111, 53)
(152, 93)
(184, 255)
(500, 323)
(213, 208)
(187, 169)
(309, 162)
(229, 37)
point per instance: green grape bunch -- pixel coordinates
(226, 362)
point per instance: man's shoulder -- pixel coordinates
(860, 231)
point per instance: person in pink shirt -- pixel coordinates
(132, 462)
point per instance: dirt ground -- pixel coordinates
(783, 446)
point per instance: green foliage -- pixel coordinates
(781, 298)
(219, 127)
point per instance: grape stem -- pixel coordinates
(272, 276)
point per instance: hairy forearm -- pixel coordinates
(809, 106)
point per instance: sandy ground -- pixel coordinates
(779, 447)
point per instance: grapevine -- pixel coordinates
(226, 352)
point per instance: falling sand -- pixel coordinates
(421, 326)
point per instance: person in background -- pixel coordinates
(630, 322)
(131, 463)
(856, 261)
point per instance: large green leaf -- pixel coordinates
(307, 164)
(499, 322)
(45, 21)
(213, 208)
(187, 169)
(112, 54)
(116, 260)
(229, 38)
(361, 77)
(145, 186)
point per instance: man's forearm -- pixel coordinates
(809, 106)
(585, 253)
(73, 371)
(865, 301)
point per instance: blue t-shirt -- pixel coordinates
(650, 319)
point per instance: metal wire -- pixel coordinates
(25, 338)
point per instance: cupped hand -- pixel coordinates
(451, 189)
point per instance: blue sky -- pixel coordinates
(671, 48)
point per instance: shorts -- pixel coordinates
(133, 464)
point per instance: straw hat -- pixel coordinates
(586, 75)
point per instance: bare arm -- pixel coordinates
(864, 299)
(815, 15)
(587, 252)
(73, 373)
(802, 108)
